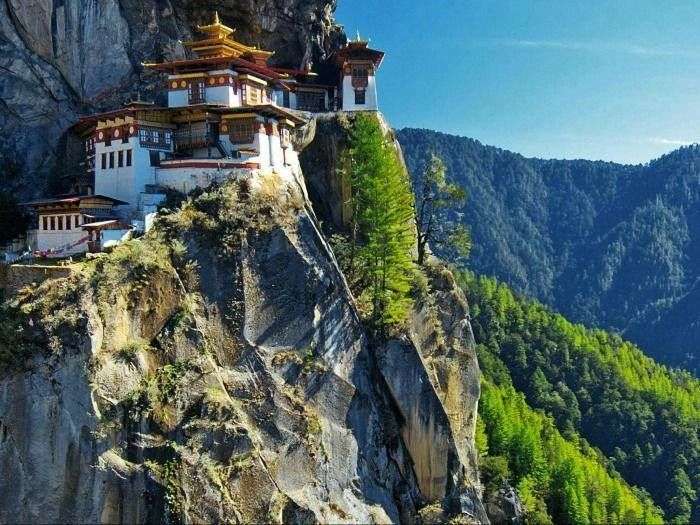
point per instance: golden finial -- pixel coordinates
(216, 17)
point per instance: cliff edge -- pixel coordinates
(216, 370)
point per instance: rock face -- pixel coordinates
(504, 507)
(325, 140)
(249, 394)
(432, 374)
(433, 377)
(216, 370)
(63, 58)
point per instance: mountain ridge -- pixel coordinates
(610, 245)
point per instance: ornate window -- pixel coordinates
(111, 159)
(360, 75)
(155, 138)
(128, 157)
(360, 97)
(120, 159)
(104, 161)
(242, 131)
(196, 93)
(251, 94)
(311, 101)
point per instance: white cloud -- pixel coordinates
(595, 47)
(670, 142)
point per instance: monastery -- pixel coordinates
(229, 113)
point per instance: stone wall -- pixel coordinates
(16, 276)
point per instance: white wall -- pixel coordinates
(276, 157)
(114, 236)
(178, 98)
(53, 239)
(127, 182)
(223, 95)
(371, 102)
(262, 144)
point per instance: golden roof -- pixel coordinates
(218, 43)
(216, 29)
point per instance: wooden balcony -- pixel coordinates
(189, 140)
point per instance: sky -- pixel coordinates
(615, 80)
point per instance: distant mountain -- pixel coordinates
(609, 245)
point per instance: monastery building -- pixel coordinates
(228, 113)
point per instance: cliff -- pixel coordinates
(216, 370)
(62, 59)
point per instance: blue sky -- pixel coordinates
(614, 80)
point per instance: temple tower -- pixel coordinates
(358, 65)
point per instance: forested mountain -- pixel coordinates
(590, 384)
(608, 245)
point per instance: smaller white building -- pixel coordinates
(61, 223)
(358, 65)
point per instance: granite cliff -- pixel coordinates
(216, 370)
(60, 59)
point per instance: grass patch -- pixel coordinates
(128, 354)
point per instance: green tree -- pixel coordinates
(599, 390)
(436, 197)
(681, 497)
(383, 235)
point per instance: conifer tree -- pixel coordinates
(383, 235)
(436, 197)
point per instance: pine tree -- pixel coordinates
(436, 197)
(681, 497)
(383, 235)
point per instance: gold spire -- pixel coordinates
(216, 29)
(217, 42)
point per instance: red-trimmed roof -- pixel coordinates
(72, 199)
(360, 51)
(236, 62)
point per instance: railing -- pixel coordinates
(314, 102)
(186, 140)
